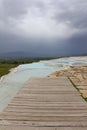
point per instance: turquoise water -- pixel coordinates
(11, 83)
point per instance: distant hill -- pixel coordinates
(15, 54)
(32, 55)
(20, 54)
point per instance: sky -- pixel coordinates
(43, 27)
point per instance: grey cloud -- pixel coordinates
(18, 8)
(14, 8)
(72, 13)
(18, 13)
(62, 11)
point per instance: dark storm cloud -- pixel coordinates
(73, 13)
(43, 27)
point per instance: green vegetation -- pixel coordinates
(7, 63)
(17, 60)
(21, 60)
(4, 68)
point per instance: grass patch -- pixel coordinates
(77, 89)
(73, 84)
(85, 99)
(4, 68)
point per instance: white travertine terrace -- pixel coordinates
(12, 83)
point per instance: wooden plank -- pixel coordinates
(46, 103)
(40, 128)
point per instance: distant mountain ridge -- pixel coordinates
(23, 54)
(28, 54)
(15, 54)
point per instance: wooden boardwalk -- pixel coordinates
(46, 104)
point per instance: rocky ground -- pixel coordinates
(77, 75)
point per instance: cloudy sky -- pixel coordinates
(43, 27)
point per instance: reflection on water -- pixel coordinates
(11, 83)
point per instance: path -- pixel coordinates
(46, 104)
